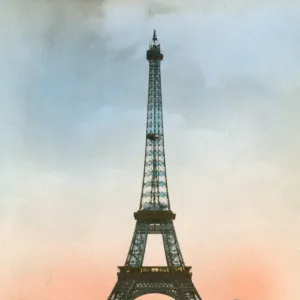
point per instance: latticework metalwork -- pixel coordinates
(138, 245)
(155, 189)
(154, 215)
(132, 289)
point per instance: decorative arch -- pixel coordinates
(140, 293)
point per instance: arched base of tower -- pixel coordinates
(178, 286)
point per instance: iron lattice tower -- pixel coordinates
(154, 215)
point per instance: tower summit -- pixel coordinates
(154, 215)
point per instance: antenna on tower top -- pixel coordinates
(154, 39)
(154, 43)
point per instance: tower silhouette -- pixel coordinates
(154, 215)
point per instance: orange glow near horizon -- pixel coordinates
(66, 280)
(238, 276)
(244, 275)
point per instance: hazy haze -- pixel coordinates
(73, 94)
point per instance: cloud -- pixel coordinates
(72, 110)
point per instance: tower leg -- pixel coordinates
(171, 245)
(137, 248)
(121, 290)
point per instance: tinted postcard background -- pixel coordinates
(73, 93)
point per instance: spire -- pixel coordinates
(154, 39)
(154, 49)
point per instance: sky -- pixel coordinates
(73, 95)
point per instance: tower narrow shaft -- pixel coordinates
(154, 194)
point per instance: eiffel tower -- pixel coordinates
(154, 215)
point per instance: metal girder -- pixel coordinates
(137, 248)
(171, 245)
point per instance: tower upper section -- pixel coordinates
(154, 49)
(155, 196)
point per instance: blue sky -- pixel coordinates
(73, 94)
